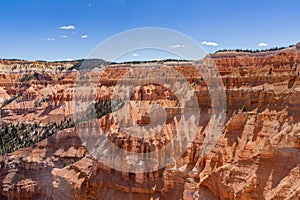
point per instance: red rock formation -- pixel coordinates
(256, 157)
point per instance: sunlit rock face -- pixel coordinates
(257, 155)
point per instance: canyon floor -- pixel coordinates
(256, 156)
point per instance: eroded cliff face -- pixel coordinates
(257, 155)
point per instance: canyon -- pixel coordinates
(256, 155)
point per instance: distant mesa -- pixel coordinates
(257, 50)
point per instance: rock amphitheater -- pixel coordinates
(257, 155)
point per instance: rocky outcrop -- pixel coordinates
(26, 173)
(256, 157)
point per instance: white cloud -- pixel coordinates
(84, 36)
(214, 44)
(70, 27)
(174, 46)
(63, 36)
(50, 39)
(64, 59)
(262, 44)
(135, 55)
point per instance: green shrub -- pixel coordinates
(8, 101)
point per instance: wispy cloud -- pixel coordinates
(50, 39)
(70, 27)
(214, 44)
(135, 54)
(84, 36)
(174, 46)
(262, 44)
(64, 59)
(63, 36)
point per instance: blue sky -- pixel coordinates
(43, 29)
